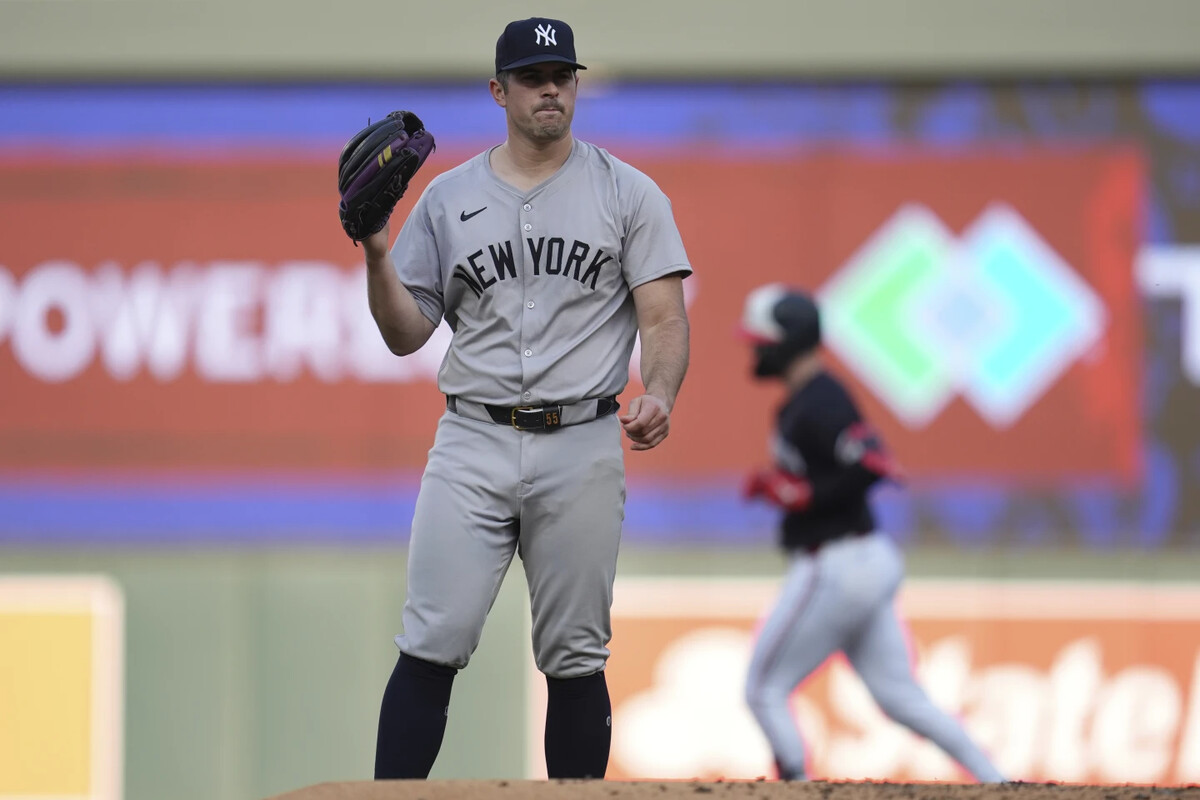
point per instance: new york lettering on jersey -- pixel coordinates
(546, 232)
(548, 256)
(537, 286)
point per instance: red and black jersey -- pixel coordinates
(822, 439)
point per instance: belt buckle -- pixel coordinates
(513, 417)
(551, 418)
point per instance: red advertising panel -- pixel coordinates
(162, 314)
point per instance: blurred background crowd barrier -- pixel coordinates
(208, 458)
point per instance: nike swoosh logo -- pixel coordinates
(464, 216)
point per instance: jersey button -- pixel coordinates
(528, 353)
(528, 207)
(528, 227)
(530, 304)
(527, 395)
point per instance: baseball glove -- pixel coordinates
(374, 170)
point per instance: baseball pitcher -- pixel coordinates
(546, 256)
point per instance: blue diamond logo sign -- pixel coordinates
(994, 316)
(1051, 317)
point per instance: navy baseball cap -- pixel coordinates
(536, 40)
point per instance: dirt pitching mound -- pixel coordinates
(732, 790)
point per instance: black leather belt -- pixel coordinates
(544, 417)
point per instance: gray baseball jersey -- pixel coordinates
(537, 288)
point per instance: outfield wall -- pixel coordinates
(248, 673)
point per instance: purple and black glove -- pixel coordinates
(374, 170)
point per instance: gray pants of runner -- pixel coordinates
(842, 599)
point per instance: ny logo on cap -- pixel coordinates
(545, 35)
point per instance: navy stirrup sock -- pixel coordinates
(412, 719)
(578, 726)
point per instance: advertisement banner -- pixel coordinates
(164, 313)
(1065, 681)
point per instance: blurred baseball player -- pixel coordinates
(546, 255)
(841, 584)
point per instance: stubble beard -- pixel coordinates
(551, 130)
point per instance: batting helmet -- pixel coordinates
(782, 323)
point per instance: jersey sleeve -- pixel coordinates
(859, 445)
(415, 257)
(653, 247)
(835, 431)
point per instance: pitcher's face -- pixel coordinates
(539, 100)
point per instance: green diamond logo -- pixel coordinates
(868, 310)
